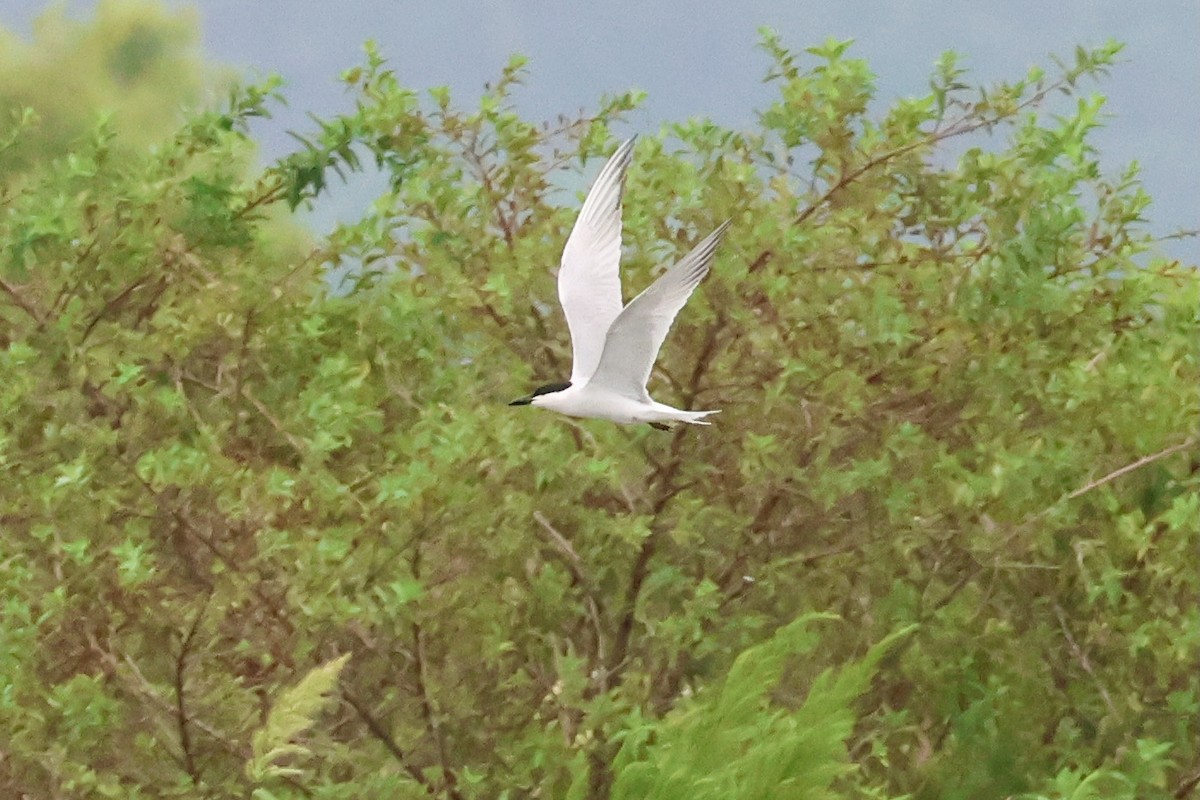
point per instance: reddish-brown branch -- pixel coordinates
(181, 712)
(375, 727)
(115, 302)
(20, 302)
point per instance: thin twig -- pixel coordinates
(1082, 657)
(20, 301)
(111, 305)
(1141, 462)
(181, 712)
(1187, 785)
(234, 567)
(296, 443)
(428, 711)
(432, 722)
(708, 352)
(961, 127)
(126, 668)
(471, 155)
(574, 562)
(1091, 486)
(574, 565)
(386, 739)
(272, 194)
(240, 377)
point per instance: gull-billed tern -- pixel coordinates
(614, 348)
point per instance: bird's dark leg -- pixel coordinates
(659, 426)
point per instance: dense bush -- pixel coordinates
(271, 532)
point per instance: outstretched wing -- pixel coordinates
(589, 280)
(637, 334)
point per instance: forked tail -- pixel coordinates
(697, 417)
(664, 414)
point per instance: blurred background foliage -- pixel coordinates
(269, 529)
(137, 63)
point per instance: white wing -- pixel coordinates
(589, 279)
(638, 331)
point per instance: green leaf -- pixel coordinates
(293, 712)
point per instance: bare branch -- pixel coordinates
(432, 721)
(20, 301)
(386, 739)
(1091, 486)
(574, 565)
(181, 712)
(114, 303)
(1082, 657)
(126, 669)
(260, 406)
(1136, 465)
(1187, 785)
(240, 377)
(574, 562)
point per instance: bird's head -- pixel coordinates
(541, 391)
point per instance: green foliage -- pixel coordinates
(960, 391)
(292, 714)
(136, 61)
(736, 745)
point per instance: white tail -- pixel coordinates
(697, 417)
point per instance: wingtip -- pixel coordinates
(623, 155)
(608, 189)
(713, 240)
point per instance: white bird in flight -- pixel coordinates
(614, 348)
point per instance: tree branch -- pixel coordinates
(1091, 486)
(1136, 465)
(20, 302)
(428, 711)
(126, 669)
(389, 743)
(112, 304)
(574, 565)
(1082, 658)
(181, 713)
(960, 127)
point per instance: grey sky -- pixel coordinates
(700, 59)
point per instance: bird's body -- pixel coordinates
(600, 402)
(614, 347)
